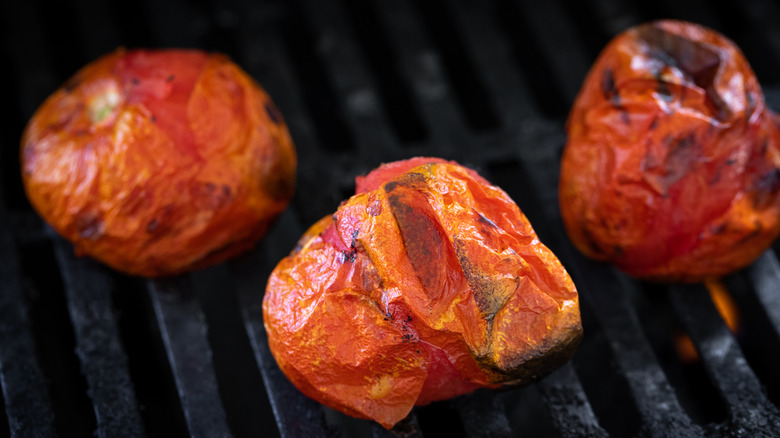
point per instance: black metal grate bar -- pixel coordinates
(173, 23)
(498, 72)
(409, 427)
(562, 48)
(749, 409)
(296, 415)
(764, 274)
(98, 346)
(27, 402)
(93, 21)
(614, 15)
(568, 404)
(483, 414)
(32, 66)
(655, 399)
(605, 294)
(361, 83)
(347, 70)
(423, 70)
(268, 58)
(183, 330)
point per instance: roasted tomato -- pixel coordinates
(158, 162)
(671, 166)
(427, 284)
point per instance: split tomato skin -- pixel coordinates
(157, 162)
(427, 284)
(670, 170)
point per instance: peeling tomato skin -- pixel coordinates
(157, 162)
(671, 154)
(427, 284)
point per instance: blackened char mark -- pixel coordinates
(408, 180)
(490, 293)
(89, 225)
(426, 243)
(766, 189)
(682, 158)
(612, 94)
(608, 86)
(662, 90)
(698, 61)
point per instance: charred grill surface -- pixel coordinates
(486, 83)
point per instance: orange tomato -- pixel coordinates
(671, 166)
(427, 284)
(156, 162)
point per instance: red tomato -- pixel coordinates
(671, 166)
(427, 284)
(158, 162)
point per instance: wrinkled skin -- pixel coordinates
(159, 162)
(671, 167)
(427, 284)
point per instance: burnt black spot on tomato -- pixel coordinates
(608, 87)
(152, 225)
(751, 102)
(662, 90)
(591, 241)
(766, 188)
(718, 229)
(273, 113)
(348, 256)
(770, 181)
(653, 124)
(391, 186)
(694, 59)
(408, 180)
(483, 220)
(89, 225)
(170, 78)
(682, 157)
(765, 146)
(135, 81)
(161, 223)
(490, 294)
(426, 243)
(153, 119)
(353, 243)
(625, 117)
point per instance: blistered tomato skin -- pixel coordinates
(425, 285)
(159, 162)
(671, 166)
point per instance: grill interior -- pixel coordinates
(86, 350)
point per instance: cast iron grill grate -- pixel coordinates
(487, 83)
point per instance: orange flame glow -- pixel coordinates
(728, 311)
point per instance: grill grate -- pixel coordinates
(486, 83)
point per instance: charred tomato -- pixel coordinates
(426, 284)
(670, 170)
(156, 162)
